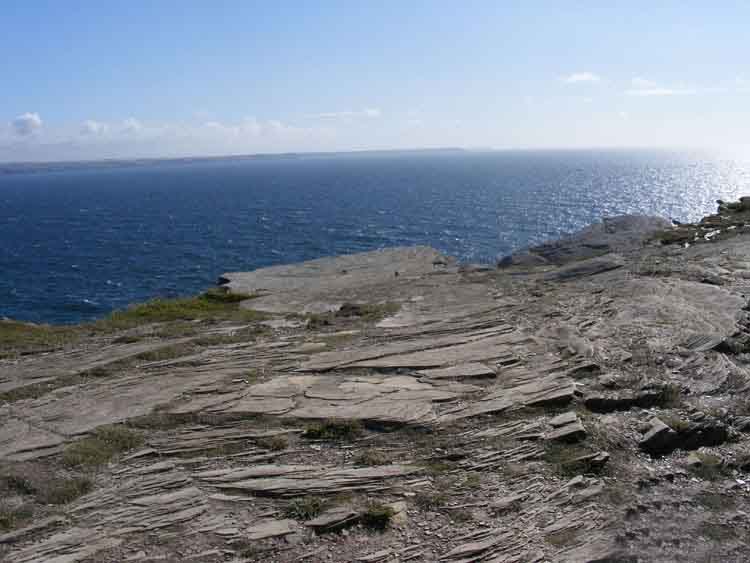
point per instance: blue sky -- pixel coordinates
(93, 79)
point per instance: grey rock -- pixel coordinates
(623, 233)
(660, 438)
(609, 403)
(563, 419)
(586, 268)
(573, 432)
(334, 519)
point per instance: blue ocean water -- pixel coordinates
(78, 243)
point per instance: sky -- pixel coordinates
(160, 78)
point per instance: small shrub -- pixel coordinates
(461, 515)
(316, 321)
(19, 484)
(372, 457)
(711, 466)
(377, 516)
(430, 500)
(105, 443)
(675, 422)
(472, 481)
(12, 516)
(305, 508)
(63, 491)
(273, 443)
(562, 458)
(339, 430)
(671, 395)
(368, 311)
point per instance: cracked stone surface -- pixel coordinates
(462, 413)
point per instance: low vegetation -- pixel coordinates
(14, 515)
(27, 338)
(675, 422)
(564, 458)
(367, 312)
(336, 430)
(377, 516)
(305, 508)
(64, 490)
(212, 304)
(44, 484)
(273, 443)
(430, 500)
(371, 457)
(18, 338)
(710, 466)
(104, 444)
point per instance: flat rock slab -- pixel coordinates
(461, 371)
(317, 285)
(586, 268)
(381, 398)
(68, 546)
(270, 529)
(321, 482)
(333, 519)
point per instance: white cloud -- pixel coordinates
(622, 114)
(645, 92)
(93, 128)
(587, 100)
(642, 87)
(640, 83)
(131, 125)
(26, 124)
(577, 77)
(366, 112)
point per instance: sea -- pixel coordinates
(78, 241)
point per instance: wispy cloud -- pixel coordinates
(365, 112)
(641, 83)
(585, 76)
(646, 92)
(641, 87)
(131, 125)
(93, 128)
(26, 124)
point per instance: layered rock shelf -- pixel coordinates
(586, 400)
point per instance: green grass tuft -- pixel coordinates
(273, 443)
(305, 508)
(65, 490)
(104, 444)
(338, 430)
(12, 516)
(211, 304)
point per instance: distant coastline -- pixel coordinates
(27, 167)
